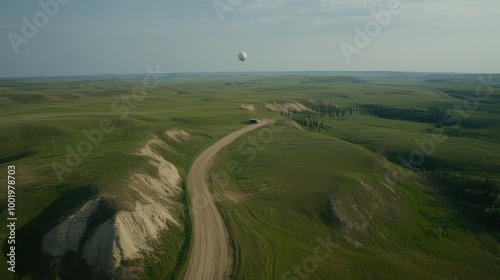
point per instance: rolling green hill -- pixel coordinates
(343, 186)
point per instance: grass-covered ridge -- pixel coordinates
(278, 204)
(336, 180)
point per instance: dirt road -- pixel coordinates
(209, 257)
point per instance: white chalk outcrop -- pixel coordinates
(126, 235)
(286, 107)
(177, 135)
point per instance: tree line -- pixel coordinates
(441, 118)
(482, 196)
(431, 115)
(315, 119)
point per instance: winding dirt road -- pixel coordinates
(209, 256)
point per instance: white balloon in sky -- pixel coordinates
(242, 56)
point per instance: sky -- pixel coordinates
(87, 37)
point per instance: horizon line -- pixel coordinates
(257, 71)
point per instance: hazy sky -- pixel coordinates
(73, 37)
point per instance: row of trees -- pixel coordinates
(309, 121)
(444, 122)
(325, 110)
(482, 195)
(431, 115)
(315, 119)
(331, 111)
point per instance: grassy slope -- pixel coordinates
(274, 209)
(45, 116)
(277, 213)
(42, 123)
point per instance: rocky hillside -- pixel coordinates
(107, 246)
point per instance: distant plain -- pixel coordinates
(340, 177)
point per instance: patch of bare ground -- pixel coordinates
(237, 197)
(355, 215)
(8, 89)
(178, 135)
(247, 107)
(293, 124)
(129, 233)
(286, 107)
(318, 102)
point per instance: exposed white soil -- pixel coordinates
(293, 124)
(66, 236)
(286, 107)
(6, 89)
(129, 233)
(178, 135)
(247, 107)
(355, 215)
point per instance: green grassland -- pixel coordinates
(275, 210)
(279, 203)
